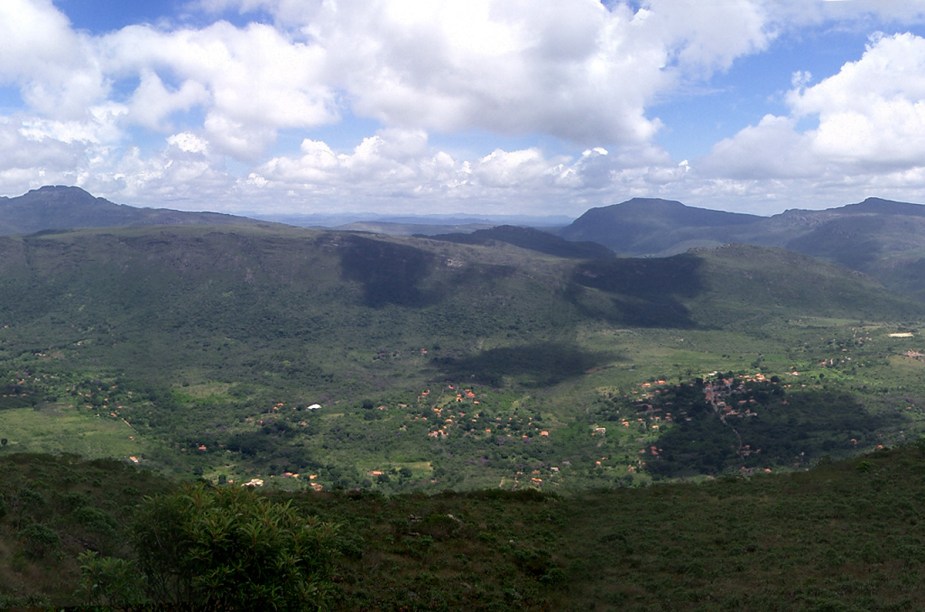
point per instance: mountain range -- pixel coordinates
(881, 238)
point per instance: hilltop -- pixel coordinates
(652, 226)
(529, 238)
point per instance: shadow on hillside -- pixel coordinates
(792, 431)
(390, 273)
(534, 365)
(643, 292)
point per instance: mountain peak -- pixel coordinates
(883, 206)
(651, 202)
(52, 189)
(61, 194)
(60, 207)
(653, 224)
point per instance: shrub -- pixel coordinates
(109, 581)
(230, 548)
(39, 540)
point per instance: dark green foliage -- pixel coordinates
(38, 540)
(229, 548)
(109, 581)
(205, 349)
(56, 508)
(845, 534)
(197, 352)
(749, 424)
(644, 278)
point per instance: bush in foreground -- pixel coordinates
(229, 548)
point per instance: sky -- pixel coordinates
(480, 107)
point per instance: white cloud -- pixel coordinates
(53, 65)
(575, 70)
(869, 117)
(873, 110)
(394, 160)
(709, 35)
(187, 113)
(771, 149)
(188, 143)
(152, 102)
(251, 81)
(509, 169)
(18, 150)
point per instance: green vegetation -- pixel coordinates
(845, 535)
(230, 549)
(326, 360)
(442, 426)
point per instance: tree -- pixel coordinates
(109, 581)
(230, 548)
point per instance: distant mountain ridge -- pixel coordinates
(884, 207)
(529, 238)
(652, 226)
(881, 238)
(64, 208)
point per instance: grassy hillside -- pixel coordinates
(400, 364)
(845, 535)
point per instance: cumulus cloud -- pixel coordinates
(771, 149)
(172, 110)
(869, 117)
(30, 162)
(873, 110)
(53, 66)
(250, 81)
(580, 71)
(153, 102)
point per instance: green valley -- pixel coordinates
(505, 420)
(317, 359)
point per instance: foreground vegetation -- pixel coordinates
(845, 535)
